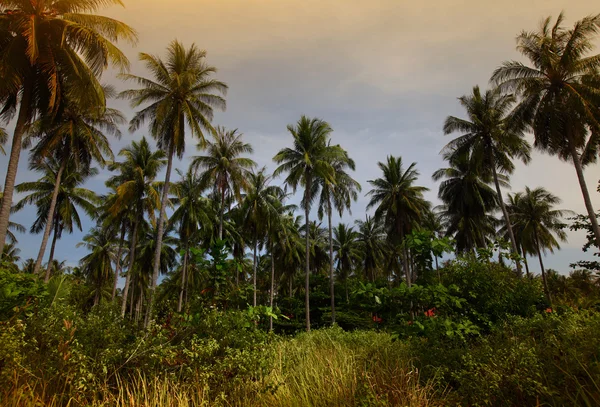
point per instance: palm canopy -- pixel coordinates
(340, 193)
(180, 93)
(260, 205)
(347, 249)
(97, 265)
(396, 197)
(371, 242)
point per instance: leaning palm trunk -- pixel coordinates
(585, 193)
(254, 266)
(544, 279)
(272, 287)
(53, 245)
(133, 243)
(331, 281)
(49, 222)
(307, 265)
(159, 238)
(118, 263)
(221, 214)
(183, 278)
(511, 235)
(13, 163)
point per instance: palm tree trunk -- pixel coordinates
(13, 162)
(49, 222)
(522, 254)
(132, 299)
(511, 235)
(133, 243)
(271, 294)
(307, 246)
(183, 277)
(331, 281)
(221, 214)
(159, 237)
(97, 295)
(53, 245)
(585, 193)
(118, 262)
(254, 266)
(544, 279)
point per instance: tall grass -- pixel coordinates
(323, 368)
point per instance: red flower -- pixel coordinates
(430, 313)
(548, 310)
(377, 319)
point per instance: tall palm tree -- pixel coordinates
(469, 200)
(60, 191)
(135, 188)
(260, 209)
(50, 48)
(371, 239)
(193, 213)
(491, 135)
(181, 93)
(347, 249)
(398, 201)
(308, 161)
(223, 167)
(75, 137)
(560, 93)
(97, 265)
(534, 214)
(13, 227)
(339, 195)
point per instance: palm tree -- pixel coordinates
(308, 161)
(223, 167)
(75, 137)
(340, 195)
(181, 93)
(135, 189)
(560, 93)
(259, 207)
(348, 251)
(60, 191)
(534, 214)
(398, 201)
(49, 49)
(371, 240)
(491, 135)
(97, 265)
(13, 227)
(468, 200)
(193, 213)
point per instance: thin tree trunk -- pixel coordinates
(331, 280)
(53, 245)
(221, 214)
(254, 266)
(13, 162)
(132, 299)
(49, 222)
(133, 243)
(159, 237)
(437, 269)
(307, 266)
(97, 296)
(522, 254)
(118, 262)
(183, 278)
(138, 307)
(511, 235)
(544, 279)
(271, 294)
(585, 193)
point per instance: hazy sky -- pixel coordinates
(384, 74)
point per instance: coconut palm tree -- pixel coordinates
(136, 189)
(49, 49)
(60, 191)
(398, 201)
(75, 137)
(534, 214)
(338, 195)
(559, 93)
(223, 167)
(13, 227)
(468, 199)
(97, 265)
(194, 212)
(260, 208)
(347, 247)
(180, 94)
(309, 160)
(493, 136)
(371, 240)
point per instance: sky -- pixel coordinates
(384, 73)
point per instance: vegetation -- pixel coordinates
(221, 273)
